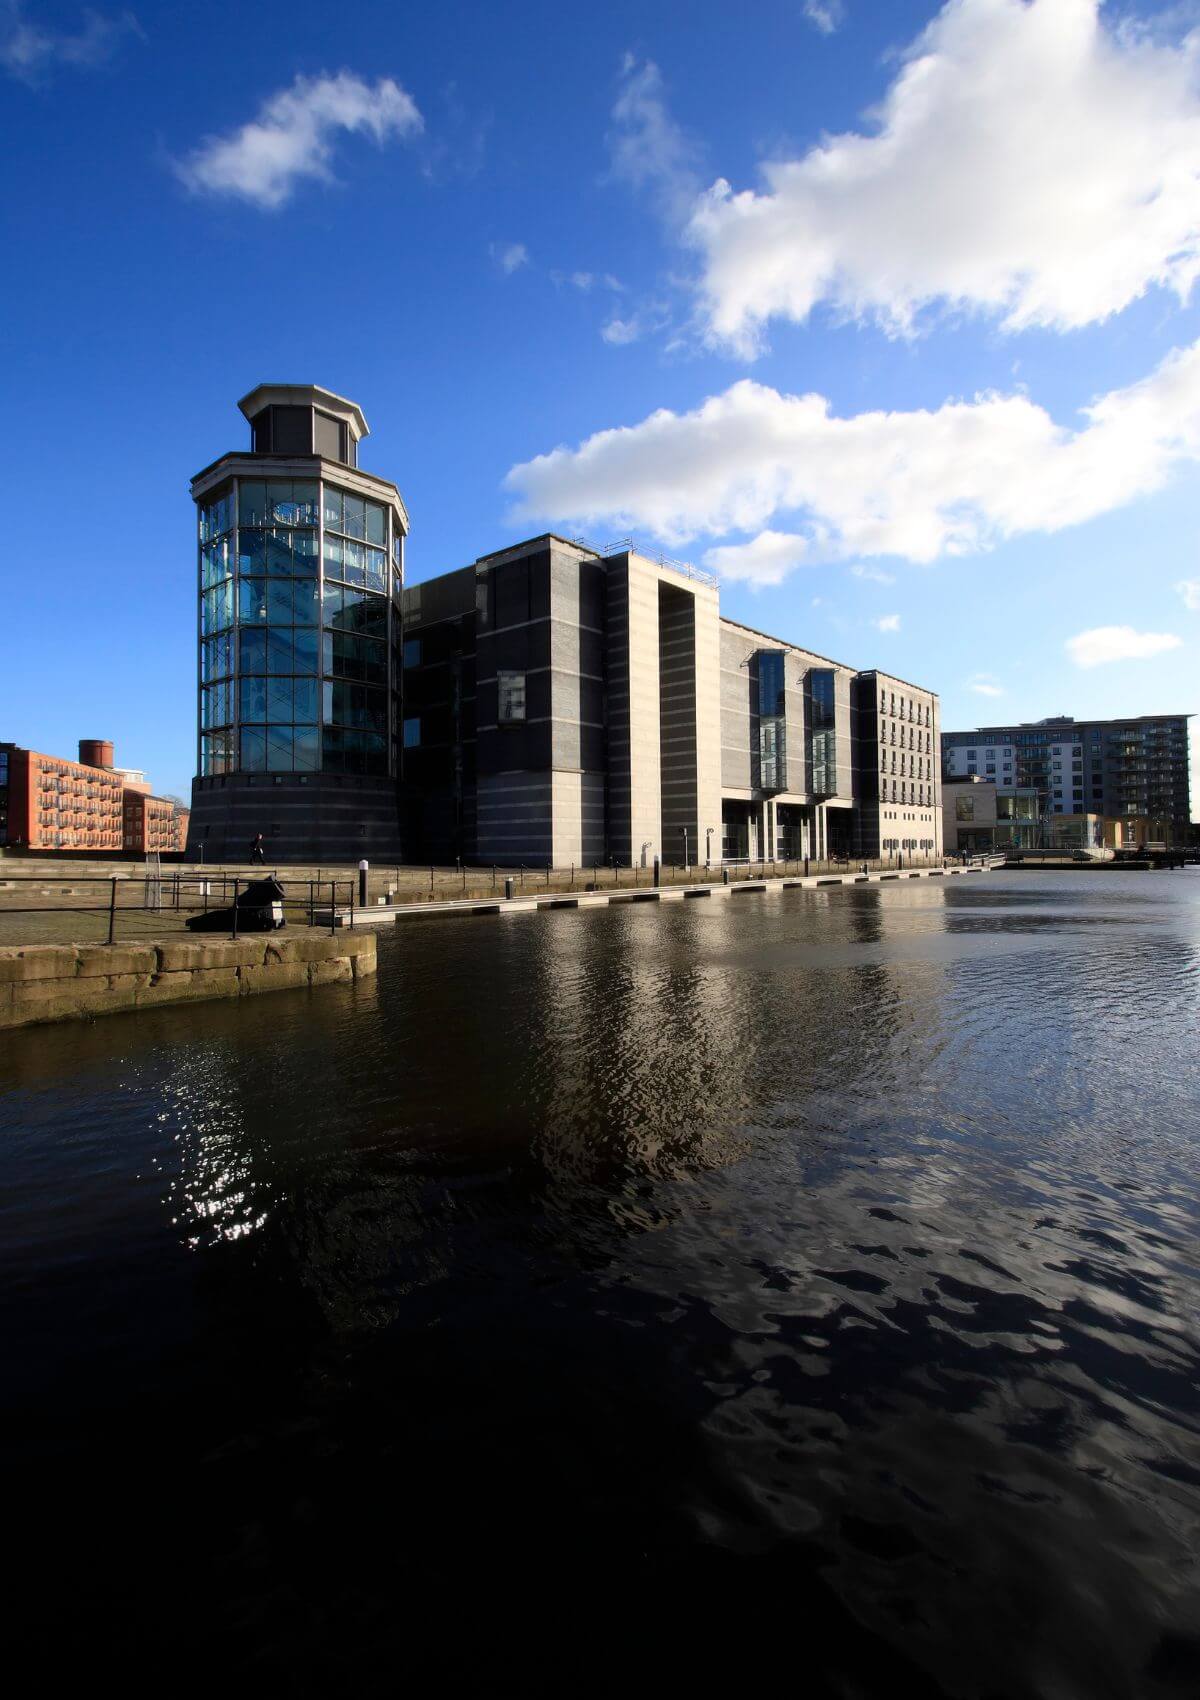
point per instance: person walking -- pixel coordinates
(258, 851)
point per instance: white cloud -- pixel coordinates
(875, 575)
(1117, 643)
(509, 256)
(765, 559)
(887, 623)
(647, 147)
(1189, 589)
(825, 15)
(292, 137)
(984, 686)
(1028, 160)
(620, 331)
(585, 282)
(30, 52)
(949, 481)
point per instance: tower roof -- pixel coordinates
(306, 395)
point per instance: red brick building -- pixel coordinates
(153, 823)
(49, 804)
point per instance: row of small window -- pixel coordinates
(294, 501)
(914, 739)
(920, 767)
(922, 713)
(900, 793)
(294, 749)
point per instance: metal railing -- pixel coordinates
(183, 892)
(478, 882)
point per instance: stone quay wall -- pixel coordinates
(64, 982)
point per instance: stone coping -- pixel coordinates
(59, 982)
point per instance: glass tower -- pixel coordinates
(301, 568)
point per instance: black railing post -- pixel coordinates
(333, 906)
(236, 883)
(112, 910)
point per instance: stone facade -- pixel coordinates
(62, 982)
(563, 705)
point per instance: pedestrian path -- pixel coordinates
(525, 903)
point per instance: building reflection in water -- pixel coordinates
(556, 1077)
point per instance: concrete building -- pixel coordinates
(978, 816)
(1118, 769)
(550, 703)
(300, 562)
(566, 704)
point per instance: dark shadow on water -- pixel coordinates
(638, 1295)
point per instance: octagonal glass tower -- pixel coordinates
(301, 566)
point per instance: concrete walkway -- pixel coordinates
(382, 915)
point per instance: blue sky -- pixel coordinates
(814, 294)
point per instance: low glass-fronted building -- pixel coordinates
(301, 568)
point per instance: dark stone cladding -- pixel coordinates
(317, 817)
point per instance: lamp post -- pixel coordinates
(683, 831)
(708, 832)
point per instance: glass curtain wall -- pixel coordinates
(772, 725)
(295, 580)
(822, 731)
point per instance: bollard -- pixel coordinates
(657, 872)
(806, 867)
(724, 874)
(508, 888)
(362, 883)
